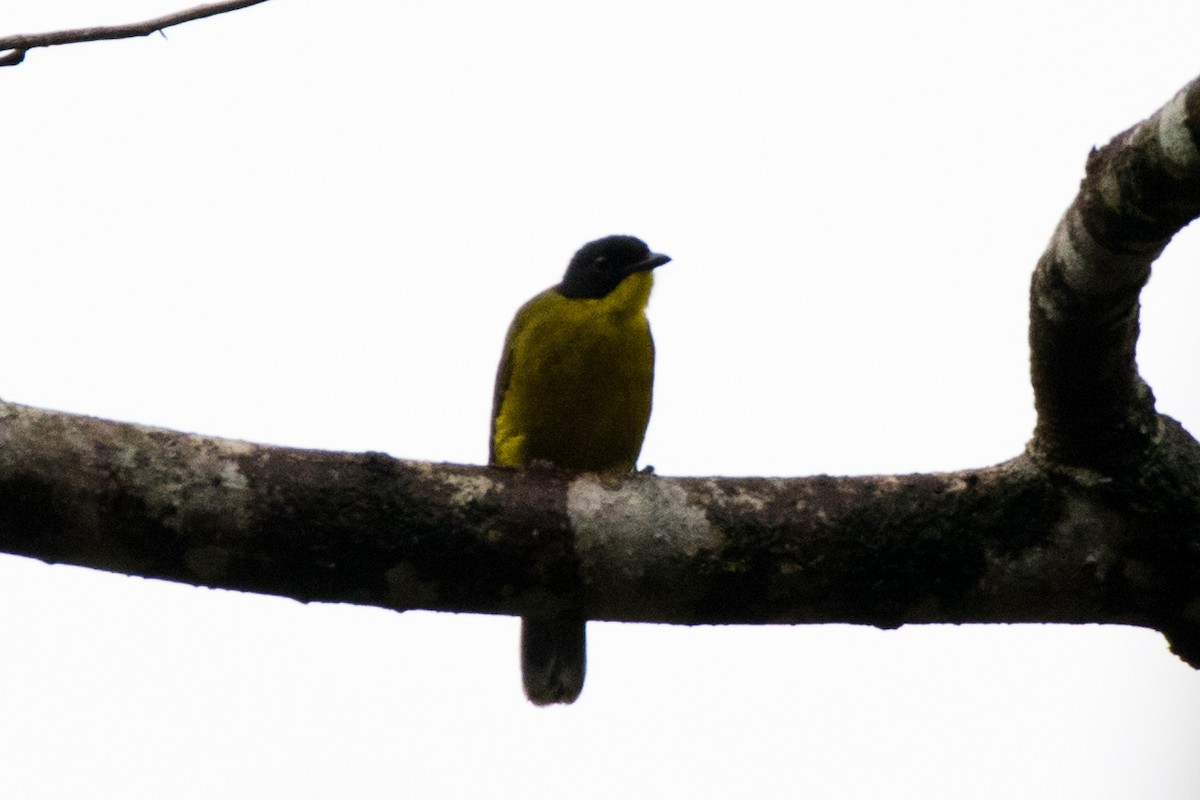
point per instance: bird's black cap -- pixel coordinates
(597, 268)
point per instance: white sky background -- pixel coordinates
(310, 223)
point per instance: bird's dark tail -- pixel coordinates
(553, 658)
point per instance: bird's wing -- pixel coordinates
(504, 373)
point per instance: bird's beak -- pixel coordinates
(650, 262)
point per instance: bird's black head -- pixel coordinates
(599, 266)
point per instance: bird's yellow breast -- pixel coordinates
(576, 379)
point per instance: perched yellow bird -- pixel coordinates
(574, 389)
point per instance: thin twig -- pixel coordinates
(13, 48)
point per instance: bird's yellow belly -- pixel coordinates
(580, 398)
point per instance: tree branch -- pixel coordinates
(1011, 543)
(13, 48)
(1094, 410)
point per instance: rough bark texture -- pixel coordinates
(1099, 521)
(1094, 410)
(1096, 416)
(1009, 543)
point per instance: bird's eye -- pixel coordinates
(599, 262)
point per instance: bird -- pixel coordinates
(574, 390)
